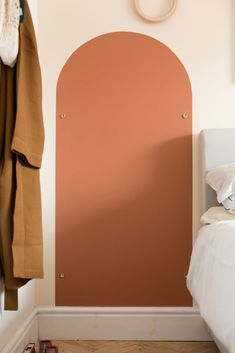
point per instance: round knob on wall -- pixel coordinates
(185, 115)
(63, 115)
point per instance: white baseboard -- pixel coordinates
(94, 323)
(28, 332)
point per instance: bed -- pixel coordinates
(211, 275)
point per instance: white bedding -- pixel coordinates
(211, 279)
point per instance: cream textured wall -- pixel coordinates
(202, 35)
(11, 321)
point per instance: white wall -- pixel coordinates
(201, 33)
(11, 321)
(34, 12)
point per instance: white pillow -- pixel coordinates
(222, 180)
(216, 214)
(229, 204)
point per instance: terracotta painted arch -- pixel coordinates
(123, 175)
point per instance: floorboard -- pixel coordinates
(134, 347)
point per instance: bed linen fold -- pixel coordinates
(211, 279)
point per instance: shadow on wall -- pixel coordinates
(1, 290)
(132, 252)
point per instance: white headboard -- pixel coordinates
(216, 147)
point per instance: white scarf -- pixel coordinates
(10, 13)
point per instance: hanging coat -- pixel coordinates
(27, 144)
(7, 184)
(22, 136)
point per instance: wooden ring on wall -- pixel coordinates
(157, 18)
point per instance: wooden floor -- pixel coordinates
(134, 347)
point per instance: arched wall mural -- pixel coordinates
(123, 175)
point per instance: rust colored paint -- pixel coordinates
(124, 175)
